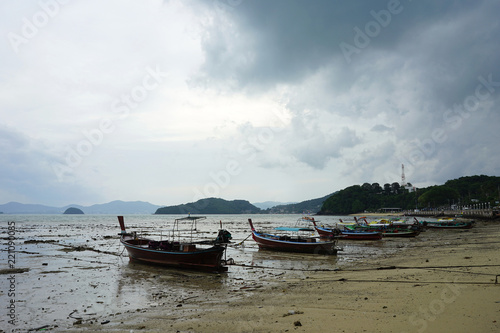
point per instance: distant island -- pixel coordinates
(211, 206)
(113, 207)
(221, 206)
(73, 210)
(270, 204)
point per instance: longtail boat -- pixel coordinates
(347, 234)
(449, 224)
(287, 243)
(360, 235)
(398, 229)
(175, 253)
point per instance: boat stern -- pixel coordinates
(122, 225)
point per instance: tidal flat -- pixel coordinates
(72, 274)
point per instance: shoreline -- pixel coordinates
(444, 281)
(376, 214)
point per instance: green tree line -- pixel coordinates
(372, 197)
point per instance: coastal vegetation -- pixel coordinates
(308, 207)
(372, 197)
(221, 206)
(211, 206)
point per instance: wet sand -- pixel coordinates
(443, 283)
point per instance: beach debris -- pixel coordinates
(52, 272)
(71, 315)
(297, 323)
(387, 267)
(36, 241)
(13, 270)
(185, 299)
(105, 322)
(292, 312)
(39, 328)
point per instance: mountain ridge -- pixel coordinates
(112, 207)
(271, 204)
(143, 207)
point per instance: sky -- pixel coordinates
(283, 100)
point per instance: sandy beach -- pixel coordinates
(444, 283)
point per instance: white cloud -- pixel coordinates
(261, 83)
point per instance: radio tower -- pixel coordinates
(403, 180)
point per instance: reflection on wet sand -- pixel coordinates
(160, 285)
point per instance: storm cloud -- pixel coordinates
(167, 101)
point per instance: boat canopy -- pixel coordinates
(191, 218)
(194, 226)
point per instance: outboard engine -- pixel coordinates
(224, 236)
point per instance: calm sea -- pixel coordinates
(75, 266)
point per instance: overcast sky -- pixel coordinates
(172, 101)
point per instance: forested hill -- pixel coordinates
(371, 197)
(305, 207)
(211, 206)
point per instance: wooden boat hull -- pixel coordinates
(324, 232)
(361, 235)
(266, 243)
(449, 225)
(172, 254)
(348, 234)
(394, 230)
(403, 233)
(209, 259)
(292, 244)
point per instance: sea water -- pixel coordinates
(73, 267)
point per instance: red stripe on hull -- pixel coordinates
(207, 259)
(300, 247)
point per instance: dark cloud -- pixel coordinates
(318, 149)
(426, 58)
(270, 42)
